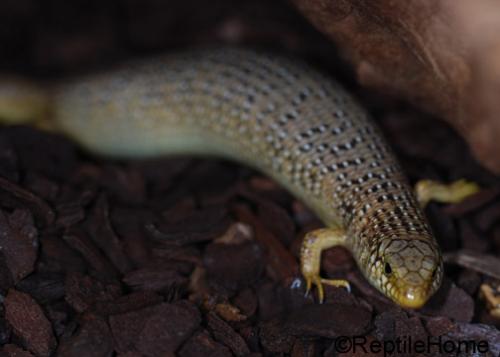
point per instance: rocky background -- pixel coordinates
(195, 257)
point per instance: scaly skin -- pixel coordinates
(283, 118)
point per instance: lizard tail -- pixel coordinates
(23, 102)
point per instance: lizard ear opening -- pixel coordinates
(387, 269)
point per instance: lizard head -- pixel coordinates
(408, 271)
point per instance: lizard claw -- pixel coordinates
(308, 287)
(339, 283)
(316, 281)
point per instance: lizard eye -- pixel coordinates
(387, 269)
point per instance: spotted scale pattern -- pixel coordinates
(277, 115)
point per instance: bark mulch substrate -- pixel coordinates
(199, 257)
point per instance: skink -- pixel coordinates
(277, 115)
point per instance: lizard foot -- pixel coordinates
(429, 190)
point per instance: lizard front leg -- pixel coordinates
(429, 190)
(310, 258)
